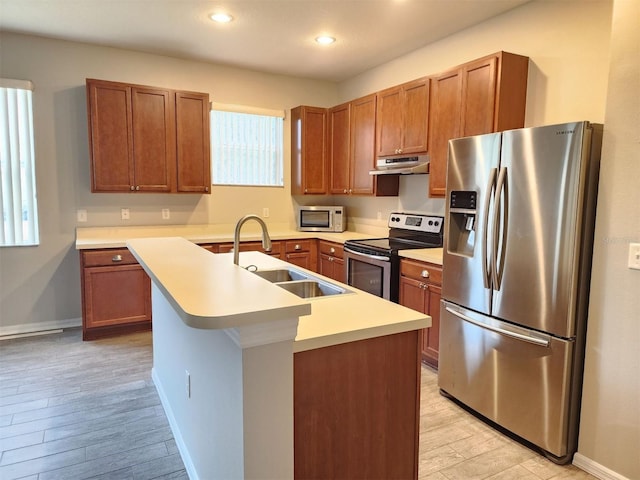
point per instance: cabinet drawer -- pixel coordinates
(115, 256)
(293, 246)
(276, 247)
(426, 272)
(332, 249)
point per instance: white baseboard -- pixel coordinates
(177, 436)
(595, 469)
(31, 328)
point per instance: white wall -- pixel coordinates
(610, 424)
(40, 286)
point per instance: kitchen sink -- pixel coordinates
(300, 283)
(311, 288)
(282, 275)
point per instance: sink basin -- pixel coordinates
(283, 275)
(311, 288)
(300, 283)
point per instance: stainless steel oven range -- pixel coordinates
(373, 265)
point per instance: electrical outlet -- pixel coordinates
(81, 216)
(124, 213)
(379, 215)
(634, 256)
(265, 212)
(188, 383)
(166, 214)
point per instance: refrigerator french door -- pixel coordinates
(518, 239)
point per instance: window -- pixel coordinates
(17, 172)
(246, 146)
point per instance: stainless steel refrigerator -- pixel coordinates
(520, 210)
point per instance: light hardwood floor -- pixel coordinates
(88, 410)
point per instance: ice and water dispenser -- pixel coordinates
(462, 222)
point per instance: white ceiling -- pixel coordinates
(275, 36)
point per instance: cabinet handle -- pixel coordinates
(424, 274)
(116, 258)
(332, 250)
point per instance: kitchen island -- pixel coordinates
(241, 364)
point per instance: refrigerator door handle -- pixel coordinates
(500, 233)
(486, 268)
(542, 342)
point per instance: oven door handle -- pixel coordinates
(372, 257)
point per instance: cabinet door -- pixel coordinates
(363, 129)
(413, 294)
(110, 141)
(389, 121)
(302, 259)
(339, 148)
(444, 122)
(478, 97)
(431, 337)
(193, 160)
(308, 151)
(416, 117)
(153, 139)
(116, 295)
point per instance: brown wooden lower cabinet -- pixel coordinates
(330, 260)
(276, 248)
(303, 253)
(356, 409)
(420, 289)
(116, 294)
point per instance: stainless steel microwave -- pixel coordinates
(322, 219)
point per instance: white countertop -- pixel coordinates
(209, 291)
(117, 237)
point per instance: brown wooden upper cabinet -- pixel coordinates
(352, 150)
(483, 96)
(309, 170)
(403, 119)
(147, 139)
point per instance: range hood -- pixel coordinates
(415, 165)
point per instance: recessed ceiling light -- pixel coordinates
(325, 40)
(221, 17)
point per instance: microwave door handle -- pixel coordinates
(500, 238)
(486, 268)
(367, 255)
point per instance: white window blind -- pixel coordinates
(246, 146)
(17, 172)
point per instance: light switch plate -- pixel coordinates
(634, 256)
(124, 214)
(166, 214)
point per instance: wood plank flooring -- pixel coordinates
(88, 410)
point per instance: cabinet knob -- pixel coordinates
(132, 187)
(297, 247)
(137, 187)
(424, 274)
(206, 189)
(332, 250)
(345, 191)
(116, 258)
(305, 190)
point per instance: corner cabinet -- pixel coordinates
(309, 151)
(147, 139)
(402, 119)
(421, 290)
(483, 96)
(116, 293)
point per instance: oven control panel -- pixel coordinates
(416, 222)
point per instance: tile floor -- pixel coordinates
(88, 410)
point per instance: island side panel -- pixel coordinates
(208, 424)
(356, 409)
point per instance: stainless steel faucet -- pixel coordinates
(266, 240)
